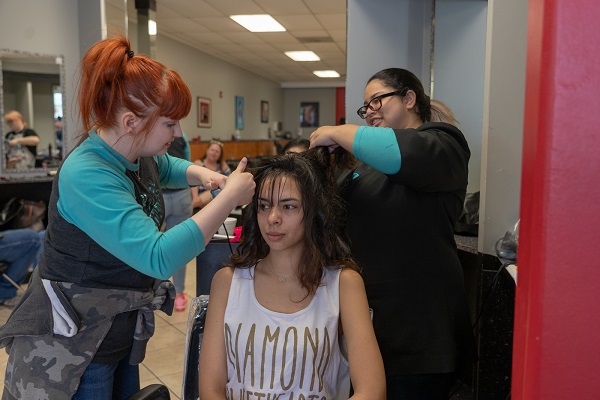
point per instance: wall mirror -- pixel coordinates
(33, 85)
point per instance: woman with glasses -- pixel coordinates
(403, 200)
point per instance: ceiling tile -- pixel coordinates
(317, 25)
(179, 25)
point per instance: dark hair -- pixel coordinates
(323, 216)
(112, 78)
(297, 142)
(400, 79)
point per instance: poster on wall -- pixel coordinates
(239, 112)
(309, 114)
(264, 111)
(204, 110)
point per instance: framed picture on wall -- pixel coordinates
(264, 111)
(309, 114)
(239, 112)
(204, 112)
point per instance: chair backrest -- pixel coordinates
(155, 391)
(193, 341)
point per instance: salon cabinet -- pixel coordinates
(28, 188)
(235, 150)
(490, 293)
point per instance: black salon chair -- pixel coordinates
(155, 391)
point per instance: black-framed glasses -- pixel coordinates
(375, 103)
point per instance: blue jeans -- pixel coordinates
(178, 208)
(19, 248)
(117, 381)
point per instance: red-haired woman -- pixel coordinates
(82, 326)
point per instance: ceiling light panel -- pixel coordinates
(258, 23)
(327, 74)
(302, 55)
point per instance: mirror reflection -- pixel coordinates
(31, 104)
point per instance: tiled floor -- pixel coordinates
(166, 349)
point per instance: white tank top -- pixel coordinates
(276, 356)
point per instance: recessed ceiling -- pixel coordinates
(313, 25)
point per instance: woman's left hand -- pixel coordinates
(211, 180)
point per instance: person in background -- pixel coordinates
(215, 161)
(22, 142)
(178, 208)
(403, 200)
(58, 136)
(105, 263)
(297, 145)
(290, 288)
(19, 248)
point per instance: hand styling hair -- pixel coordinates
(323, 215)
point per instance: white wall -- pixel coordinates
(210, 77)
(383, 34)
(459, 70)
(503, 116)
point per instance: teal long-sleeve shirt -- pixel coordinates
(99, 198)
(378, 147)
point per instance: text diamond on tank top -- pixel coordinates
(278, 356)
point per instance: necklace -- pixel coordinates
(137, 171)
(269, 269)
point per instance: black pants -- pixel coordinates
(420, 386)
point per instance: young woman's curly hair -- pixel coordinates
(323, 215)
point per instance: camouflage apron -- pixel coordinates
(54, 332)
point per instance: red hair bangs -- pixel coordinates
(176, 98)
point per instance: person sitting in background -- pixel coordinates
(22, 142)
(288, 279)
(19, 248)
(297, 145)
(58, 136)
(215, 161)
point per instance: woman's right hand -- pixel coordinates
(237, 190)
(334, 136)
(240, 184)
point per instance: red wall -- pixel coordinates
(557, 317)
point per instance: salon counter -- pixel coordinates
(236, 150)
(29, 188)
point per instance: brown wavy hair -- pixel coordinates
(323, 209)
(113, 79)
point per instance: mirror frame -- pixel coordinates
(60, 61)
